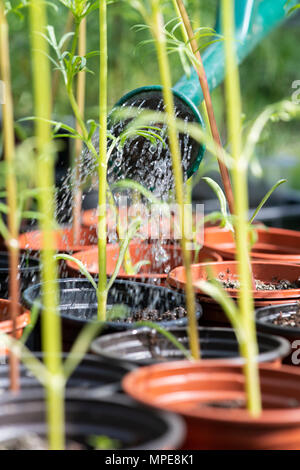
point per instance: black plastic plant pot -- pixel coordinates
(119, 419)
(92, 376)
(78, 304)
(265, 318)
(147, 346)
(28, 271)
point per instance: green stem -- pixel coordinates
(80, 94)
(239, 174)
(77, 113)
(75, 37)
(177, 169)
(102, 167)
(198, 65)
(51, 328)
(127, 263)
(11, 186)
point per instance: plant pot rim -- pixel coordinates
(268, 417)
(31, 241)
(282, 350)
(263, 252)
(120, 325)
(277, 329)
(258, 294)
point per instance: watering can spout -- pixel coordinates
(254, 19)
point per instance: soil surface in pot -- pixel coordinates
(292, 320)
(274, 279)
(154, 315)
(259, 285)
(229, 404)
(33, 441)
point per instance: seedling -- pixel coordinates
(71, 66)
(9, 154)
(51, 331)
(154, 19)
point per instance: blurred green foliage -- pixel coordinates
(266, 76)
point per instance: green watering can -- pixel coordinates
(254, 19)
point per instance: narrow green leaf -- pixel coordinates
(222, 200)
(134, 226)
(80, 265)
(266, 197)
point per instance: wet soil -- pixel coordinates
(33, 441)
(292, 320)
(240, 404)
(154, 315)
(228, 404)
(275, 284)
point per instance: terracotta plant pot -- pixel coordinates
(199, 392)
(156, 271)
(6, 326)
(264, 323)
(116, 417)
(145, 346)
(32, 241)
(272, 244)
(265, 271)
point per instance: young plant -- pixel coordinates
(239, 175)
(51, 328)
(225, 219)
(102, 167)
(11, 185)
(134, 226)
(80, 96)
(70, 66)
(154, 19)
